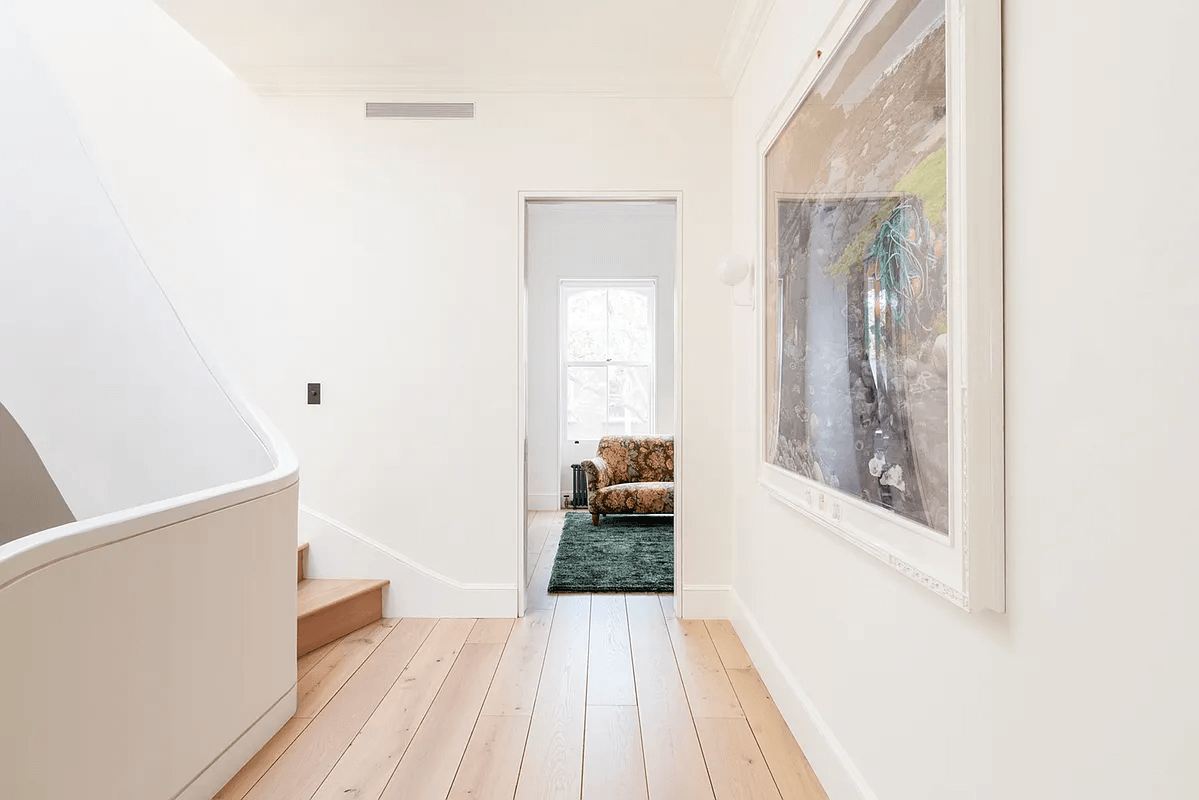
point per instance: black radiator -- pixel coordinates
(580, 480)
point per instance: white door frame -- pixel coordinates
(522, 360)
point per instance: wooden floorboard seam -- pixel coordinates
(637, 697)
(367, 718)
(586, 690)
(267, 771)
(392, 630)
(481, 750)
(475, 725)
(525, 749)
(778, 787)
(411, 739)
(250, 788)
(687, 697)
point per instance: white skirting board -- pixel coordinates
(833, 766)
(545, 502)
(706, 601)
(337, 551)
(240, 751)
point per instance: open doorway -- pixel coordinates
(599, 284)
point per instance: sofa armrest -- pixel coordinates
(599, 474)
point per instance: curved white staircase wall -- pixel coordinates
(149, 647)
(104, 382)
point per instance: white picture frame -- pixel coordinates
(966, 566)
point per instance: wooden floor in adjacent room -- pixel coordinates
(599, 697)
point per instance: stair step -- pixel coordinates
(301, 562)
(328, 609)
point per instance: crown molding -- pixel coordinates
(745, 26)
(390, 81)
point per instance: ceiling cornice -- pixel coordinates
(745, 26)
(384, 81)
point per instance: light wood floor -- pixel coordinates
(599, 697)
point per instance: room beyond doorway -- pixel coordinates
(599, 336)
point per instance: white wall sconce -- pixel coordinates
(737, 271)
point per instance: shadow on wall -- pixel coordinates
(29, 499)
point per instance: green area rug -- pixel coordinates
(624, 553)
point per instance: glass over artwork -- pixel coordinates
(857, 286)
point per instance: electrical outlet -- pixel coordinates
(314, 394)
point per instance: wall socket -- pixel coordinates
(314, 394)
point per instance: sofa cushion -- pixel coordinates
(651, 458)
(648, 497)
(615, 453)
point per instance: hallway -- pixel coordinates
(591, 696)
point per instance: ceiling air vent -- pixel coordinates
(420, 110)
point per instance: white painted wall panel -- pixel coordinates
(407, 281)
(1085, 688)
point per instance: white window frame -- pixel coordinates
(567, 286)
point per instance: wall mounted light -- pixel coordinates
(737, 271)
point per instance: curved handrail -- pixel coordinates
(36, 551)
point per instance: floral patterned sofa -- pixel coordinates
(631, 475)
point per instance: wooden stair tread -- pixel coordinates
(318, 594)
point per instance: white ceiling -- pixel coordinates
(636, 47)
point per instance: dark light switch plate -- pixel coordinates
(314, 394)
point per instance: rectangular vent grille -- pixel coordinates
(420, 110)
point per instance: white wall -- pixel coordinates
(302, 243)
(1085, 688)
(408, 287)
(149, 653)
(179, 142)
(97, 372)
(590, 240)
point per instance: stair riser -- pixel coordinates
(335, 621)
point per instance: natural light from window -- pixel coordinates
(608, 358)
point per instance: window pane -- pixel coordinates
(628, 326)
(628, 400)
(587, 326)
(585, 402)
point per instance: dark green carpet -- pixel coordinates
(625, 553)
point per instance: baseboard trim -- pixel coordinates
(338, 551)
(702, 601)
(545, 502)
(835, 769)
(214, 777)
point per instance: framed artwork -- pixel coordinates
(880, 325)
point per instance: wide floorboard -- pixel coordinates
(602, 697)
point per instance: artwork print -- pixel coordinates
(857, 291)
